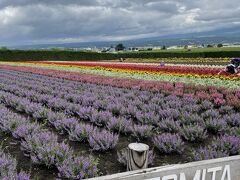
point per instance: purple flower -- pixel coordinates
(24, 130)
(205, 105)
(81, 132)
(141, 131)
(211, 113)
(229, 144)
(233, 119)
(22, 176)
(119, 124)
(168, 143)
(226, 110)
(78, 168)
(8, 168)
(205, 153)
(100, 117)
(215, 126)
(147, 117)
(102, 140)
(193, 133)
(44, 148)
(188, 118)
(169, 125)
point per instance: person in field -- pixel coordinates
(162, 64)
(236, 62)
(233, 67)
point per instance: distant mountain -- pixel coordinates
(215, 37)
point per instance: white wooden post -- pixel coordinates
(137, 156)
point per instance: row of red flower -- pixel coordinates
(148, 68)
(219, 95)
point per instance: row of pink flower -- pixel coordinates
(219, 95)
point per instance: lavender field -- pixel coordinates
(57, 128)
(119, 89)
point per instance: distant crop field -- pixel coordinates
(211, 49)
(180, 61)
(75, 119)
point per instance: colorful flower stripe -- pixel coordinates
(218, 95)
(178, 71)
(147, 63)
(232, 83)
(205, 71)
(196, 65)
(178, 60)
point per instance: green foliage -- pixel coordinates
(209, 45)
(119, 47)
(164, 47)
(35, 55)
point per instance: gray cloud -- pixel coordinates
(31, 21)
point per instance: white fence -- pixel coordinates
(217, 169)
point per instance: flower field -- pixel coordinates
(75, 120)
(181, 61)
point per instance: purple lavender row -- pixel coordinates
(72, 95)
(8, 168)
(53, 85)
(156, 143)
(216, 94)
(124, 104)
(99, 140)
(150, 110)
(105, 90)
(193, 127)
(168, 143)
(223, 146)
(194, 134)
(43, 147)
(36, 88)
(82, 137)
(189, 129)
(82, 133)
(99, 118)
(40, 79)
(86, 101)
(190, 133)
(71, 98)
(37, 78)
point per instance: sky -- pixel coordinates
(63, 21)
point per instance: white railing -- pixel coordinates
(227, 168)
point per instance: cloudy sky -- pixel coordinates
(58, 21)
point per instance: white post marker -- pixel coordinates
(137, 156)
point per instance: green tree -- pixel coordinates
(220, 45)
(119, 47)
